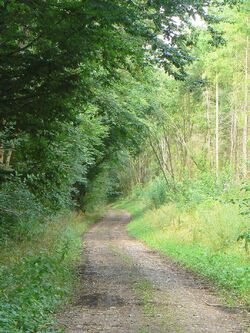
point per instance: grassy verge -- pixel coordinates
(203, 238)
(38, 275)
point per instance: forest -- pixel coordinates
(142, 105)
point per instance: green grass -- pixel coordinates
(143, 330)
(203, 238)
(144, 289)
(37, 275)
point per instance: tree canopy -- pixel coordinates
(77, 84)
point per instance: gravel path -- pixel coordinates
(128, 288)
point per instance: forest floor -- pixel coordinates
(128, 288)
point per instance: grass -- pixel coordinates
(145, 292)
(203, 238)
(143, 330)
(37, 275)
(144, 289)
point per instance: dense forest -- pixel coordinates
(144, 100)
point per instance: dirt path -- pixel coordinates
(127, 288)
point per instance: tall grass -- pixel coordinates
(199, 228)
(37, 274)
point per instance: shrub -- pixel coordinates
(137, 191)
(155, 192)
(205, 225)
(20, 211)
(37, 275)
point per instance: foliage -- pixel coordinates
(202, 157)
(203, 238)
(18, 220)
(245, 236)
(88, 112)
(155, 192)
(98, 190)
(67, 65)
(36, 275)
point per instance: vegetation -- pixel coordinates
(103, 98)
(69, 101)
(39, 273)
(201, 234)
(188, 189)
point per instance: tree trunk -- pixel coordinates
(233, 140)
(245, 117)
(208, 127)
(170, 156)
(217, 130)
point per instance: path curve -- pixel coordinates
(128, 288)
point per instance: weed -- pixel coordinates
(203, 238)
(36, 275)
(145, 291)
(143, 330)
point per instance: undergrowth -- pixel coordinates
(204, 229)
(37, 274)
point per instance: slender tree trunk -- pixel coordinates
(2, 124)
(233, 139)
(159, 161)
(217, 129)
(8, 157)
(163, 152)
(160, 147)
(208, 127)
(245, 117)
(170, 156)
(184, 133)
(236, 152)
(1, 154)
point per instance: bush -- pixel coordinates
(102, 189)
(220, 225)
(204, 239)
(205, 226)
(37, 275)
(97, 191)
(137, 191)
(20, 211)
(155, 192)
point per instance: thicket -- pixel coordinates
(38, 274)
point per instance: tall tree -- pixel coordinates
(245, 115)
(217, 128)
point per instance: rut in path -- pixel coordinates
(128, 288)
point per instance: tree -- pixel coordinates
(66, 62)
(245, 115)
